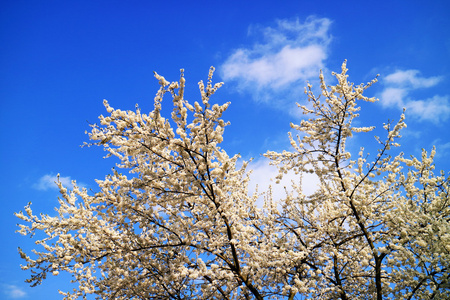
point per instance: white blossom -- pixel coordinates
(176, 220)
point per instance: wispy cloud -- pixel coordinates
(263, 174)
(412, 79)
(397, 93)
(13, 291)
(291, 52)
(48, 182)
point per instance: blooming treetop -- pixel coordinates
(178, 222)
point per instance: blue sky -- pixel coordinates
(60, 59)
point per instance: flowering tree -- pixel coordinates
(179, 222)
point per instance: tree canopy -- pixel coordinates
(176, 219)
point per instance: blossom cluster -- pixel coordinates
(176, 219)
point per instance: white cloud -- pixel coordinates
(393, 97)
(434, 109)
(290, 54)
(412, 79)
(48, 182)
(263, 175)
(401, 84)
(13, 291)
